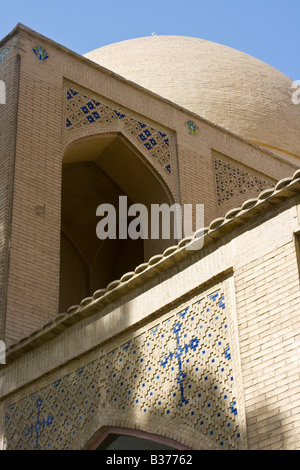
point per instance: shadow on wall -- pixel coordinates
(176, 380)
(173, 378)
(98, 170)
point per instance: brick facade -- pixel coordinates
(207, 339)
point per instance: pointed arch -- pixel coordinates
(96, 170)
(115, 438)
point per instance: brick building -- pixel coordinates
(188, 343)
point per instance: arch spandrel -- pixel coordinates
(88, 114)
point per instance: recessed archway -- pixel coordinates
(98, 170)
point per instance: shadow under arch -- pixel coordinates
(99, 169)
(114, 438)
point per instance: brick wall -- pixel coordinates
(34, 244)
(9, 73)
(256, 268)
(33, 283)
(267, 287)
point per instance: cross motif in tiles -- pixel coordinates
(178, 354)
(40, 424)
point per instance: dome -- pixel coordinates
(227, 87)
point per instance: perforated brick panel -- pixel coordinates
(179, 369)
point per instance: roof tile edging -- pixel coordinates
(285, 188)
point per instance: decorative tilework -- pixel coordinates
(3, 54)
(179, 369)
(53, 417)
(84, 110)
(40, 52)
(193, 129)
(40, 424)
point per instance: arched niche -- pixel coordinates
(97, 170)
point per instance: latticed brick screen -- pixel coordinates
(235, 183)
(180, 370)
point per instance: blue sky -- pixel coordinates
(266, 29)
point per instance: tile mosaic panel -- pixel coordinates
(179, 370)
(83, 109)
(40, 52)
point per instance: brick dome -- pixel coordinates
(227, 87)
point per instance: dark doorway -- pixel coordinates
(119, 442)
(99, 170)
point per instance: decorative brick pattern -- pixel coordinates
(182, 367)
(84, 109)
(52, 417)
(180, 370)
(233, 180)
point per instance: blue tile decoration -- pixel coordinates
(179, 368)
(177, 354)
(84, 110)
(40, 424)
(3, 54)
(193, 129)
(40, 52)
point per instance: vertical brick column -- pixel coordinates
(9, 74)
(32, 296)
